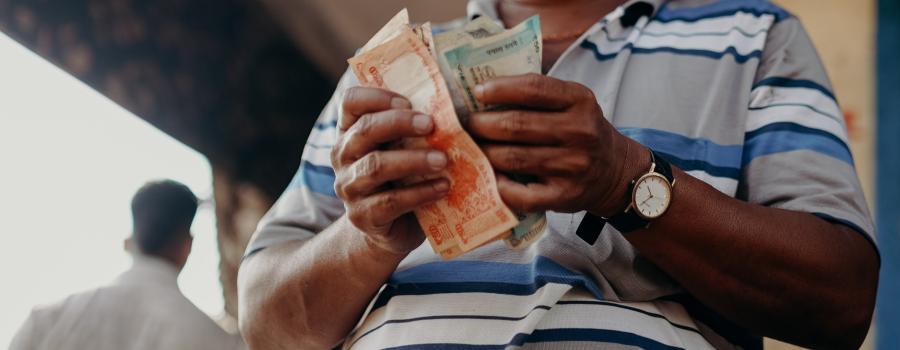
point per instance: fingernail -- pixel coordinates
(422, 124)
(479, 91)
(437, 160)
(442, 186)
(400, 103)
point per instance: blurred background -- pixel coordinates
(99, 96)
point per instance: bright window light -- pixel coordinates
(70, 160)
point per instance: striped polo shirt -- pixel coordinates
(731, 91)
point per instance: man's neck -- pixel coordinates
(142, 258)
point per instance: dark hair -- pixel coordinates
(162, 212)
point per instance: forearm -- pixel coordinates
(780, 273)
(310, 294)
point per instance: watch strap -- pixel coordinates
(590, 227)
(627, 222)
(663, 167)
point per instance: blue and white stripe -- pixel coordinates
(718, 9)
(524, 299)
(794, 114)
(726, 28)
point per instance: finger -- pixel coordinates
(359, 100)
(532, 90)
(368, 174)
(519, 126)
(375, 129)
(527, 198)
(545, 161)
(385, 207)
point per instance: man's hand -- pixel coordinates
(365, 168)
(288, 296)
(557, 132)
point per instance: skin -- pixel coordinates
(176, 254)
(783, 274)
(295, 301)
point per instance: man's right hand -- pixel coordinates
(366, 170)
(364, 246)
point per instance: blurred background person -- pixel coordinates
(143, 308)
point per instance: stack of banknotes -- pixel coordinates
(438, 75)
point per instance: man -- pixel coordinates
(746, 220)
(143, 308)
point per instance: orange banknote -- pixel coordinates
(472, 213)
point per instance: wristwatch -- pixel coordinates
(651, 194)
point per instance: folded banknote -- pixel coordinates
(438, 75)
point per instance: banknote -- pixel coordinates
(472, 213)
(477, 52)
(425, 35)
(513, 52)
(481, 27)
(446, 245)
(530, 229)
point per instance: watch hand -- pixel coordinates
(645, 201)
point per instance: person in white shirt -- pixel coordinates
(143, 308)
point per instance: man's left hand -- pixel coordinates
(556, 131)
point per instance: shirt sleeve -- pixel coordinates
(309, 203)
(796, 153)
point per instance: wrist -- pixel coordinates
(635, 163)
(383, 249)
(383, 255)
(377, 247)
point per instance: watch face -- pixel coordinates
(652, 194)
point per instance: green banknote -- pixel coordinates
(482, 27)
(513, 52)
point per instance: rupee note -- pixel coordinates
(513, 52)
(467, 61)
(472, 213)
(481, 27)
